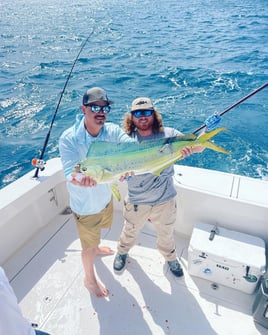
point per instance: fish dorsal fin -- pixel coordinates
(187, 137)
(101, 148)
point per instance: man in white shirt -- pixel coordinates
(91, 203)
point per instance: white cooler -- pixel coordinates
(226, 257)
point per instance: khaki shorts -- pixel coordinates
(89, 226)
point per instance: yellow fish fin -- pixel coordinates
(204, 140)
(157, 172)
(215, 147)
(115, 191)
(207, 136)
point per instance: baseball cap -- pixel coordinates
(95, 94)
(141, 104)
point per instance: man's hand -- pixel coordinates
(187, 151)
(80, 179)
(126, 176)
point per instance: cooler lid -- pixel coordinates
(232, 245)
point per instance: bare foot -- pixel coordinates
(96, 289)
(104, 251)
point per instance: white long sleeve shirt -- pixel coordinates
(12, 322)
(74, 144)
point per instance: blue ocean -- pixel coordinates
(191, 58)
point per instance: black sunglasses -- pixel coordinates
(141, 113)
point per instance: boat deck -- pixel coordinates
(145, 299)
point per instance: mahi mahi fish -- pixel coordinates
(106, 162)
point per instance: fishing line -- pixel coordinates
(39, 163)
(235, 104)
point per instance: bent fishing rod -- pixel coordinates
(39, 163)
(234, 105)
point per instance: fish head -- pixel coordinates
(94, 171)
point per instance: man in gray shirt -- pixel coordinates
(150, 196)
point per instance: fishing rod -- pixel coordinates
(39, 163)
(235, 104)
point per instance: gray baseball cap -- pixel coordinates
(95, 94)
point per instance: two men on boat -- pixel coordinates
(149, 197)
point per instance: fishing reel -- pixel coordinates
(212, 122)
(39, 163)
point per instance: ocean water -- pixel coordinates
(190, 57)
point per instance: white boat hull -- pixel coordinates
(40, 252)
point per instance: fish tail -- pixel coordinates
(208, 136)
(204, 140)
(215, 147)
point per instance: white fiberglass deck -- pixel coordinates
(145, 299)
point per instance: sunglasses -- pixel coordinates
(141, 113)
(97, 109)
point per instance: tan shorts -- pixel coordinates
(89, 226)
